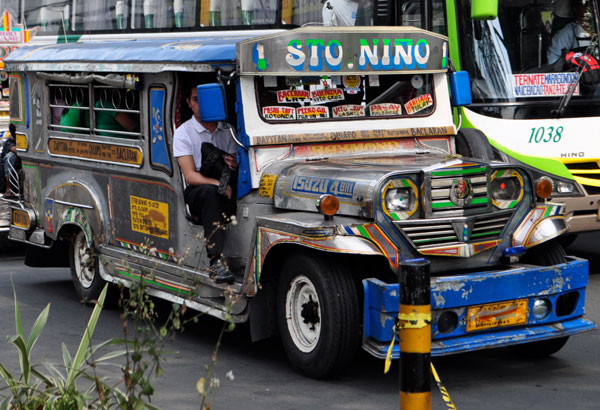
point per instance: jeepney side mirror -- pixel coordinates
(484, 9)
(212, 105)
(460, 89)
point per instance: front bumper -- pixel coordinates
(556, 283)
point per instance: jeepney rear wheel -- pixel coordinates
(85, 270)
(317, 315)
(546, 254)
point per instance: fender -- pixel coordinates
(542, 223)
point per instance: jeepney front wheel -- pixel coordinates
(546, 254)
(318, 315)
(85, 269)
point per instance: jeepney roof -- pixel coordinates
(147, 55)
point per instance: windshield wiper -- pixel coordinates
(564, 101)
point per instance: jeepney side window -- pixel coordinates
(116, 112)
(410, 15)
(95, 109)
(69, 108)
(347, 97)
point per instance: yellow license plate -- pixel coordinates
(491, 315)
(20, 219)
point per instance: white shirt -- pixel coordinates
(190, 135)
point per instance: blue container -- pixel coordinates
(460, 88)
(211, 102)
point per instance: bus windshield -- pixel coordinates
(524, 62)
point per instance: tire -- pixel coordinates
(85, 269)
(546, 254)
(473, 143)
(567, 239)
(317, 315)
(543, 348)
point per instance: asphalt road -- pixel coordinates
(492, 379)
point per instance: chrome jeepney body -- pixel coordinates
(350, 113)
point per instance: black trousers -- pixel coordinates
(210, 208)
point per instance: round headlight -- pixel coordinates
(541, 308)
(507, 188)
(400, 199)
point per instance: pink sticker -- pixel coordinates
(377, 110)
(279, 113)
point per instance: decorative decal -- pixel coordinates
(351, 84)
(349, 110)
(279, 113)
(292, 96)
(418, 104)
(320, 186)
(95, 151)
(150, 217)
(159, 155)
(311, 113)
(49, 214)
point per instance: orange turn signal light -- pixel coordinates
(543, 187)
(328, 205)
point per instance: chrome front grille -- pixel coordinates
(446, 189)
(424, 233)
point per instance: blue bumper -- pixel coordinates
(563, 285)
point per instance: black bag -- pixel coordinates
(214, 166)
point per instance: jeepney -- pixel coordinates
(348, 168)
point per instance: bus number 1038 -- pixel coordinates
(543, 134)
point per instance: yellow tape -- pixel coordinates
(443, 391)
(414, 320)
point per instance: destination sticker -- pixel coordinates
(327, 95)
(95, 151)
(279, 113)
(149, 217)
(312, 113)
(351, 84)
(292, 96)
(349, 110)
(377, 110)
(320, 186)
(418, 104)
(544, 84)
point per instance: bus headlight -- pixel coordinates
(400, 199)
(507, 188)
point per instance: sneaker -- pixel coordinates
(220, 273)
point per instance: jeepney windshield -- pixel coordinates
(346, 97)
(515, 61)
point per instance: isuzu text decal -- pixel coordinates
(342, 51)
(320, 186)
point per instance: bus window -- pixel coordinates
(333, 12)
(410, 15)
(95, 109)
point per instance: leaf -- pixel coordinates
(19, 342)
(82, 352)
(5, 403)
(38, 327)
(18, 323)
(111, 355)
(66, 356)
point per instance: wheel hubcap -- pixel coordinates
(84, 261)
(303, 313)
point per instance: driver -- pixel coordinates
(568, 36)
